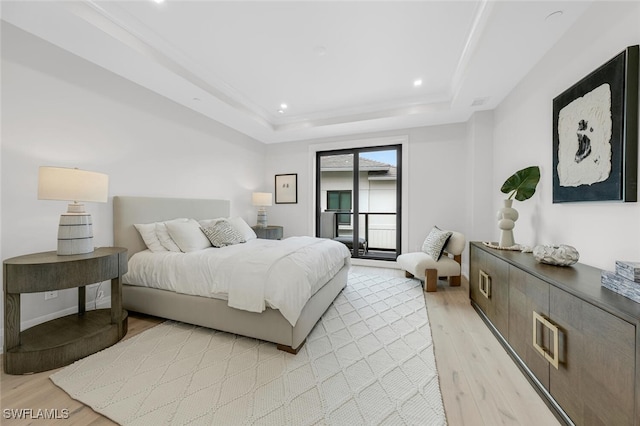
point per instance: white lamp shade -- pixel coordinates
(263, 199)
(59, 183)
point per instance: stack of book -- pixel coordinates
(625, 281)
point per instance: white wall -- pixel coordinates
(60, 110)
(601, 231)
(480, 214)
(434, 188)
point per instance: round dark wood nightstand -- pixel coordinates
(271, 232)
(61, 341)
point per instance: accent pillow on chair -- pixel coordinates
(434, 243)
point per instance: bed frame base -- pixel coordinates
(269, 325)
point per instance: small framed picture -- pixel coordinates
(287, 189)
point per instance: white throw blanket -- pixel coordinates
(250, 272)
(280, 274)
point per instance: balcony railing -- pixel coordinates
(378, 229)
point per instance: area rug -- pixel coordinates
(369, 360)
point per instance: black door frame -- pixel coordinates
(356, 192)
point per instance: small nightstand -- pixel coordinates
(61, 341)
(271, 232)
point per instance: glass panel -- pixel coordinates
(335, 198)
(378, 201)
(345, 206)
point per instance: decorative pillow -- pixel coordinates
(148, 233)
(223, 234)
(187, 235)
(206, 223)
(243, 228)
(163, 235)
(434, 243)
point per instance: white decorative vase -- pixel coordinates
(507, 217)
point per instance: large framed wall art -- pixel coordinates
(595, 134)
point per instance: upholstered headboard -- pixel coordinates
(130, 210)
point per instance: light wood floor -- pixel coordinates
(480, 383)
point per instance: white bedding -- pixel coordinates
(281, 274)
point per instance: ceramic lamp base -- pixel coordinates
(75, 234)
(262, 218)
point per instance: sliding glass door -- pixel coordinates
(358, 200)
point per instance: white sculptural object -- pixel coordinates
(507, 217)
(561, 255)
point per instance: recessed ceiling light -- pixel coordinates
(417, 83)
(320, 50)
(281, 111)
(283, 106)
(158, 1)
(553, 15)
(479, 101)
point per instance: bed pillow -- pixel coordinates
(148, 233)
(187, 235)
(206, 223)
(434, 243)
(223, 234)
(163, 235)
(243, 228)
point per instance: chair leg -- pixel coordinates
(454, 281)
(431, 280)
(408, 274)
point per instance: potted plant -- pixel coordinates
(521, 186)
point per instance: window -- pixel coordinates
(340, 201)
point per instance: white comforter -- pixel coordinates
(280, 274)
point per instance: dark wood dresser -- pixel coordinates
(578, 343)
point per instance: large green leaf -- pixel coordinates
(522, 183)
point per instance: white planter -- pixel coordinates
(507, 217)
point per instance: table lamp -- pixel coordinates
(75, 232)
(262, 200)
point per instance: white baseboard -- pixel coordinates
(375, 263)
(105, 302)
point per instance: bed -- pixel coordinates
(269, 325)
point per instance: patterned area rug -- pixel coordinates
(369, 360)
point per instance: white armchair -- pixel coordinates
(424, 267)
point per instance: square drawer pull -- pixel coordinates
(484, 284)
(552, 356)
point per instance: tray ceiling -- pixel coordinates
(283, 71)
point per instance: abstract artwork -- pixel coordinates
(595, 134)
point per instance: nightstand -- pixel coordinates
(61, 341)
(271, 232)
